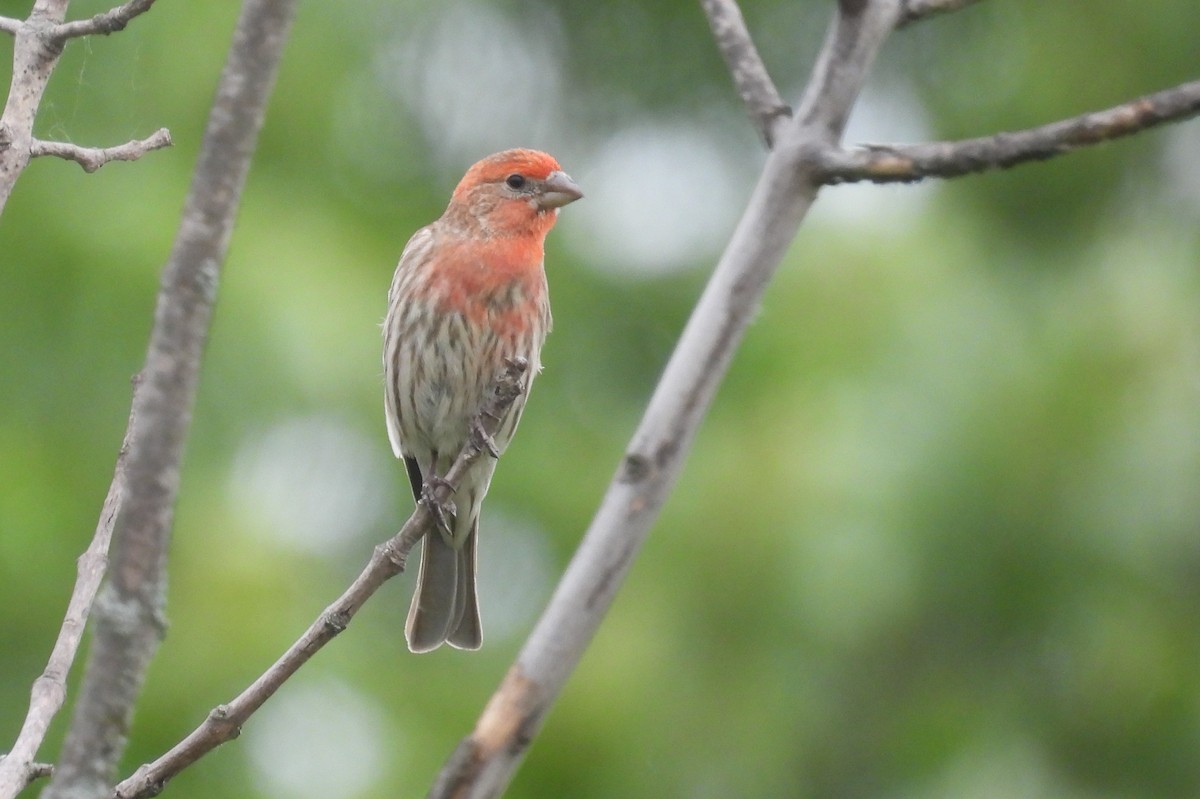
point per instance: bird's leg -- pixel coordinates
(481, 440)
(442, 512)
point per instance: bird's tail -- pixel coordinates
(445, 606)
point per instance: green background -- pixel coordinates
(937, 538)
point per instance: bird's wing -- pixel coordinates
(415, 252)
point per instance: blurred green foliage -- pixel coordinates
(940, 535)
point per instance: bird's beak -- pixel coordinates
(557, 190)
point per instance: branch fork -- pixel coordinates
(806, 155)
(38, 43)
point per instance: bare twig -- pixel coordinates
(49, 692)
(37, 771)
(483, 763)
(35, 54)
(34, 60)
(110, 21)
(33, 772)
(914, 10)
(911, 162)
(128, 615)
(36, 51)
(766, 108)
(92, 158)
(224, 722)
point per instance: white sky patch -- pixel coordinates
(1181, 165)
(658, 198)
(318, 739)
(311, 483)
(476, 81)
(515, 574)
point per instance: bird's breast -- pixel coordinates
(500, 286)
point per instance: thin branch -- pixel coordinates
(35, 55)
(838, 75)
(750, 76)
(92, 158)
(224, 721)
(916, 10)
(18, 768)
(110, 21)
(36, 52)
(129, 609)
(33, 772)
(905, 163)
(34, 60)
(483, 763)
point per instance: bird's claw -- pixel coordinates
(482, 440)
(442, 512)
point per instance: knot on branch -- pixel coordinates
(635, 468)
(108, 23)
(145, 789)
(221, 718)
(394, 558)
(336, 621)
(508, 387)
(92, 158)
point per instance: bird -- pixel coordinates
(468, 293)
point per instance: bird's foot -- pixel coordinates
(442, 512)
(481, 440)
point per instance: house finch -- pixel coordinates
(468, 293)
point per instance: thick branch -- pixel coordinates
(766, 108)
(915, 10)
(18, 769)
(483, 763)
(911, 162)
(92, 158)
(9, 25)
(110, 21)
(130, 608)
(389, 559)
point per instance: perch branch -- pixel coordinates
(129, 609)
(483, 763)
(767, 109)
(92, 158)
(906, 163)
(18, 769)
(111, 21)
(225, 721)
(915, 10)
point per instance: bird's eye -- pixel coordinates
(515, 181)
